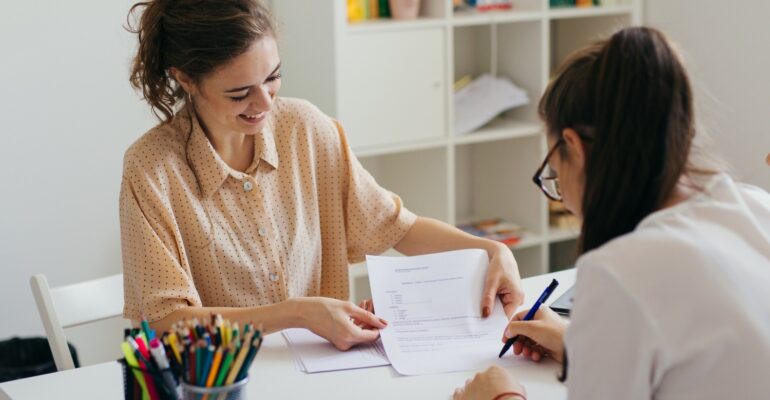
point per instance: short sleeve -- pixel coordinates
(154, 281)
(375, 218)
(612, 346)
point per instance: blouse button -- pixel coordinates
(247, 186)
(262, 231)
(273, 277)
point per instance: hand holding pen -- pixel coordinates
(539, 330)
(543, 336)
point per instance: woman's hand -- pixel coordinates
(340, 322)
(542, 336)
(428, 235)
(367, 305)
(502, 280)
(488, 385)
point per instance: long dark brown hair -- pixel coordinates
(194, 36)
(629, 98)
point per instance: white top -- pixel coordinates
(680, 307)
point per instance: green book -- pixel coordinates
(384, 8)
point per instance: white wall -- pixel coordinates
(726, 45)
(67, 114)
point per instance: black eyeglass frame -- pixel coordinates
(538, 179)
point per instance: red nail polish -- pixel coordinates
(485, 312)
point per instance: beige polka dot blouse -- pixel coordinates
(195, 232)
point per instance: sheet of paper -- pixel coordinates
(315, 354)
(483, 99)
(433, 306)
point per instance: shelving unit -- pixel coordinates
(390, 83)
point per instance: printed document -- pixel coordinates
(313, 353)
(433, 307)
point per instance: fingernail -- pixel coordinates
(485, 312)
(508, 334)
(384, 322)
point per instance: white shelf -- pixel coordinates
(469, 18)
(500, 129)
(562, 234)
(529, 240)
(397, 148)
(583, 12)
(386, 24)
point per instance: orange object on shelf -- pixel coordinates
(495, 229)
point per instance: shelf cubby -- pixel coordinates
(530, 261)
(418, 177)
(492, 180)
(472, 51)
(562, 255)
(570, 34)
(520, 59)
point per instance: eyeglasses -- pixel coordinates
(545, 178)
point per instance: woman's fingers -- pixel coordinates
(355, 336)
(545, 333)
(367, 318)
(534, 330)
(518, 347)
(369, 306)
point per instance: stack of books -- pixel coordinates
(363, 10)
(582, 3)
(495, 229)
(483, 5)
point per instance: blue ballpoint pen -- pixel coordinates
(531, 314)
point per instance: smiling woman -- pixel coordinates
(250, 205)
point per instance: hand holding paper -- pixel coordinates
(502, 281)
(433, 305)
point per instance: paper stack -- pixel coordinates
(313, 353)
(483, 99)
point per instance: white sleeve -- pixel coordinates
(612, 346)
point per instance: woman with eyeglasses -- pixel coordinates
(671, 299)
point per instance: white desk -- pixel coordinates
(275, 376)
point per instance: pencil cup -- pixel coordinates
(162, 388)
(404, 9)
(236, 391)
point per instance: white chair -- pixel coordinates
(74, 305)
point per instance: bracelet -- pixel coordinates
(501, 396)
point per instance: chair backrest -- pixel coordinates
(74, 305)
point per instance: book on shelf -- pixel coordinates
(483, 5)
(582, 3)
(495, 229)
(364, 10)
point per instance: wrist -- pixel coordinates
(510, 396)
(494, 248)
(296, 310)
